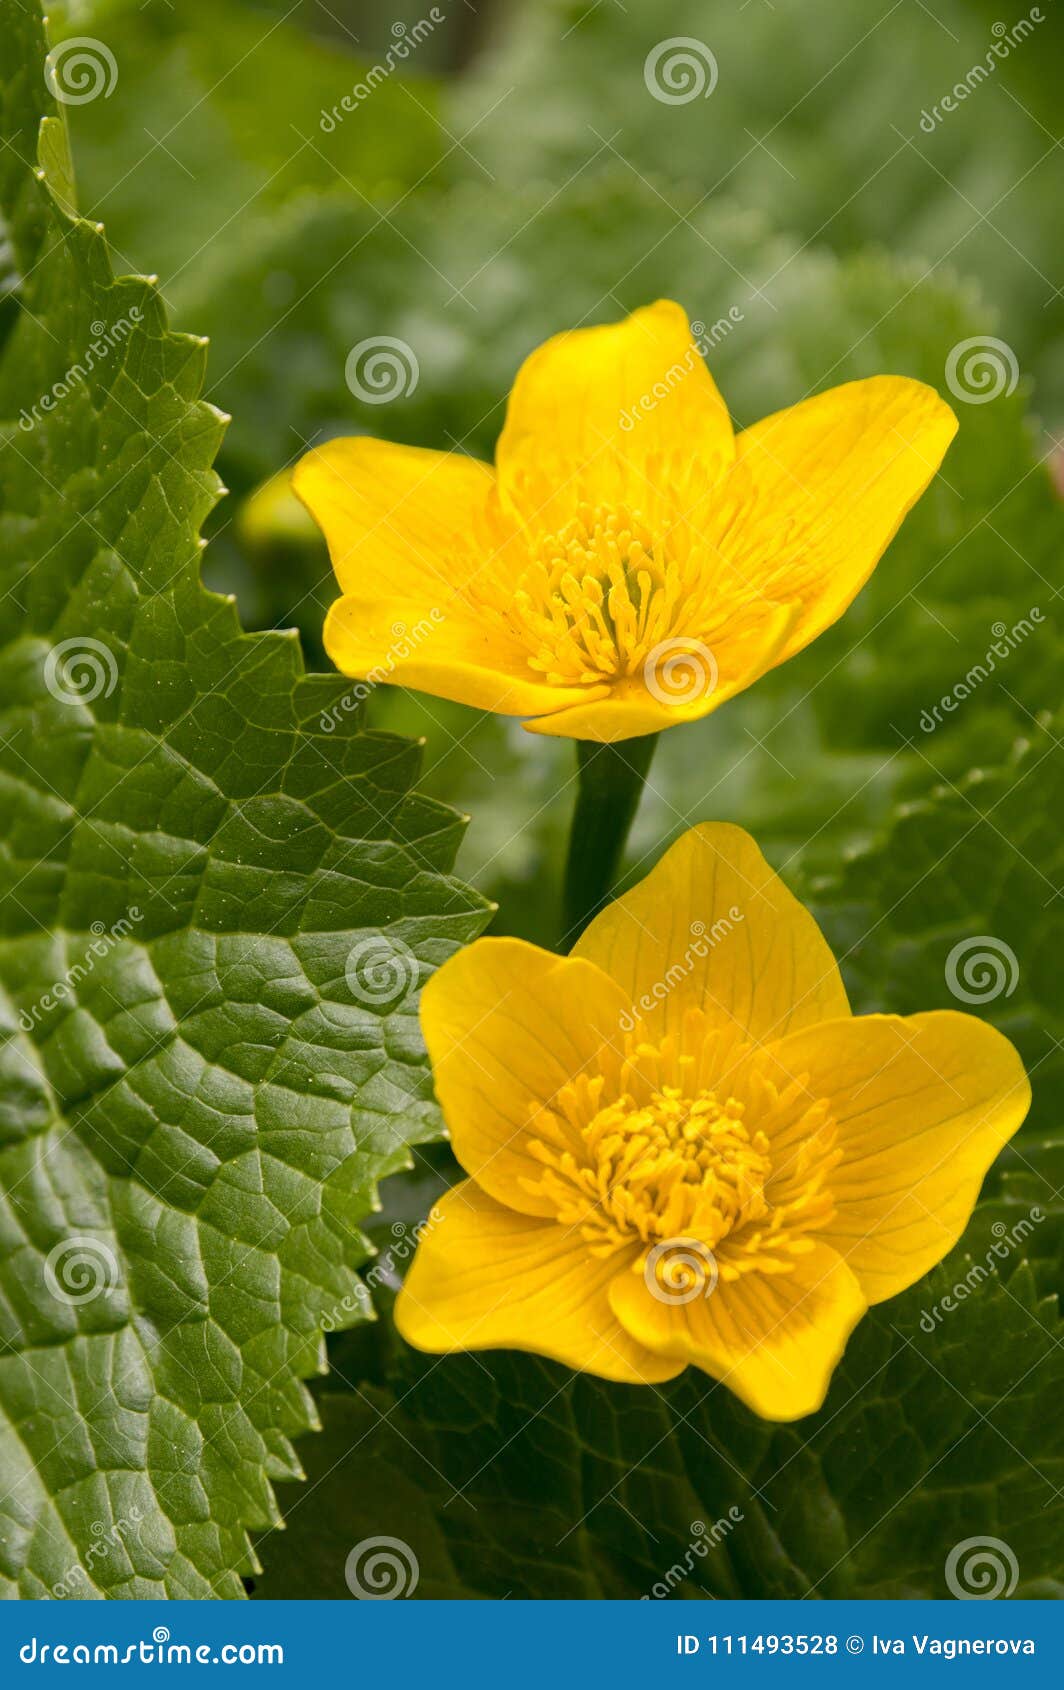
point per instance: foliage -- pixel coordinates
(198, 1098)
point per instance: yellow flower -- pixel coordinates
(630, 562)
(684, 1148)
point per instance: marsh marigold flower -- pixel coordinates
(630, 562)
(732, 1180)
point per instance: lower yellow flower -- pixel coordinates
(684, 1148)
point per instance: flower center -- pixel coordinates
(664, 1160)
(595, 599)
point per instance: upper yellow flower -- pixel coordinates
(684, 1148)
(630, 562)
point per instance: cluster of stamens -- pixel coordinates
(595, 599)
(652, 1155)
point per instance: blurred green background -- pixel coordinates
(512, 176)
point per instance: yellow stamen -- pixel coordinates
(594, 600)
(665, 1157)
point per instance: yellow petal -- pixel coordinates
(824, 488)
(603, 415)
(442, 651)
(923, 1105)
(773, 1339)
(507, 1025)
(712, 927)
(484, 1278)
(400, 522)
(408, 532)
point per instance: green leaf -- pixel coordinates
(506, 1476)
(201, 1085)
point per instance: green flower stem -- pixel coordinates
(611, 783)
